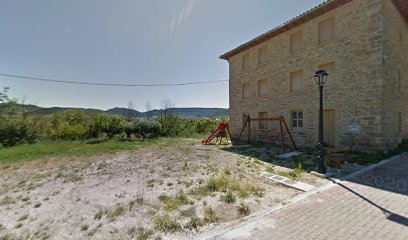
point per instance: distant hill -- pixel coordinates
(193, 112)
(182, 112)
(122, 111)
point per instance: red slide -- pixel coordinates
(219, 129)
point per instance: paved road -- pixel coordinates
(373, 205)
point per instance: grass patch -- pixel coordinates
(46, 149)
(99, 215)
(224, 183)
(173, 202)
(294, 174)
(270, 169)
(165, 223)
(84, 227)
(218, 184)
(227, 171)
(190, 212)
(113, 214)
(140, 233)
(209, 215)
(228, 197)
(139, 201)
(194, 223)
(243, 209)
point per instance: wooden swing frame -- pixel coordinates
(282, 124)
(227, 132)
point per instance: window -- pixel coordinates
(296, 42)
(296, 81)
(262, 88)
(245, 61)
(262, 55)
(297, 119)
(246, 92)
(331, 70)
(326, 30)
(263, 124)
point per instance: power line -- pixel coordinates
(108, 84)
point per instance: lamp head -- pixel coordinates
(320, 77)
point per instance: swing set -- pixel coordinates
(282, 124)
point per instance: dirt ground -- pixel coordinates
(160, 191)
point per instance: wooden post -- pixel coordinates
(283, 138)
(249, 129)
(243, 129)
(228, 133)
(290, 134)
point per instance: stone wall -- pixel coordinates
(395, 63)
(357, 96)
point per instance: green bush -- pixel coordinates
(14, 128)
(205, 125)
(13, 132)
(142, 127)
(172, 125)
(108, 124)
(69, 125)
(65, 131)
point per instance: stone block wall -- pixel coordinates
(395, 62)
(358, 96)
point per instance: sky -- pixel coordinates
(129, 42)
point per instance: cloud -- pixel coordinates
(182, 17)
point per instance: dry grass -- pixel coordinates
(179, 188)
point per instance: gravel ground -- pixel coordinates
(160, 191)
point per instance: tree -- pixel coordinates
(168, 119)
(3, 95)
(142, 127)
(130, 112)
(109, 124)
(148, 109)
(13, 126)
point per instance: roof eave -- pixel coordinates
(299, 20)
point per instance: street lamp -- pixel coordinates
(320, 79)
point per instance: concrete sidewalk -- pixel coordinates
(371, 205)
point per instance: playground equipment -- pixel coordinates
(282, 124)
(221, 130)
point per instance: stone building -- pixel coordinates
(362, 44)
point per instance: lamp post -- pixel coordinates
(321, 78)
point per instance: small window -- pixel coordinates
(246, 92)
(296, 81)
(262, 88)
(296, 42)
(297, 119)
(262, 55)
(263, 124)
(331, 70)
(245, 61)
(326, 30)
